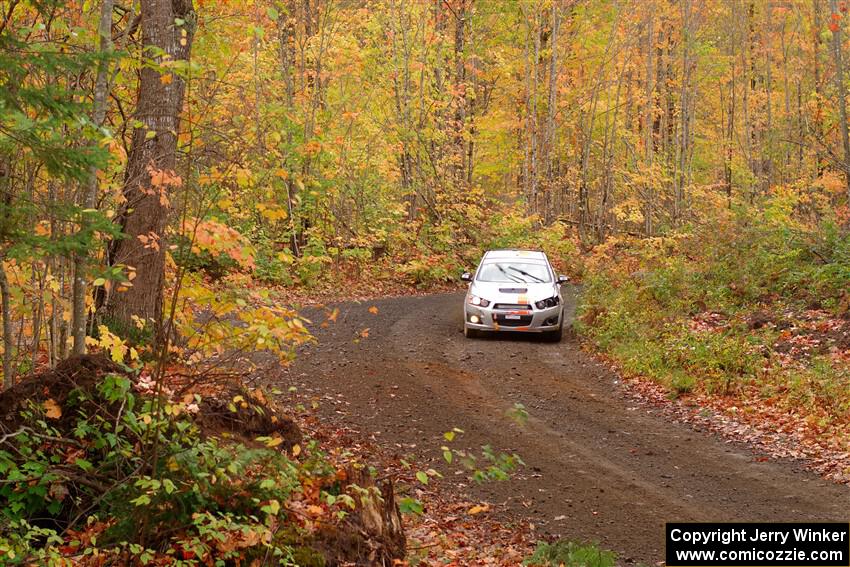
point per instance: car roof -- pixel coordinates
(514, 255)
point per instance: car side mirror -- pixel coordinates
(466, 276)
(563, 279)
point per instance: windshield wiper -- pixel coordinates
(541, 280)
(510, 276)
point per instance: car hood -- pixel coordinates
(513, 292)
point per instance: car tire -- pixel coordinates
(556, 335)
(470, 333)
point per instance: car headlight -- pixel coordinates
(547, 303)
(479, 301)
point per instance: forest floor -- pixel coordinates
(604, 462)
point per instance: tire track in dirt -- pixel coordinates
(599, 465)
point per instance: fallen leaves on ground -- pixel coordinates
(771, 429)
(451, 531)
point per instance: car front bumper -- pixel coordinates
(533, 321)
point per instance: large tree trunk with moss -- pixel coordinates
(167, 31)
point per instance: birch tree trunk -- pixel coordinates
(648, 141)
(287, 53)
(816, 50)
(89, 200)
(835, 26)
(534, 119)
(684, 107)
(526, 142)
(552, 104)
(458, 166)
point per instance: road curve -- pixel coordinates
(598, 465)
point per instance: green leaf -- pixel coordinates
(142, 500)
(410, 506)
(422, 477)
(272, 508)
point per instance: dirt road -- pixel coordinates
(599, 465)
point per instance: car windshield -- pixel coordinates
(514, 272)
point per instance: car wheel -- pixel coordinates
(556, 335)
(470, 333)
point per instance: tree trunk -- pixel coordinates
(649, 105)
(658, 90)
(6, 312)
(816, 50)
(551, 110)
(535, 134)
(286, 31)
(729, 142)
(789, 123)
(167, 28)
(89, 201)
(529, 132)
(459, 151)
(682, 148)
(5, 309)
(835, 26)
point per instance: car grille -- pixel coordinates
(512, 306)
(523, 321)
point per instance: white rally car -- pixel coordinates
(514, 290)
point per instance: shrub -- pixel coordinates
(214, 266)
(431, 269)
(133, 476)
(310, 267)
(570, 554)
(274, 267)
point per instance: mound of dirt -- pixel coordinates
(81, 373)
(246, 414)
(235, 410)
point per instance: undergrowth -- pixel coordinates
(564, 553)
(757, 303)
(109, 475)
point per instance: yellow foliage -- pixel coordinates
(272, 211)
(112, 344)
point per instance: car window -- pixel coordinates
(514, 272)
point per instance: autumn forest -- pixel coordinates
(180, 178)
